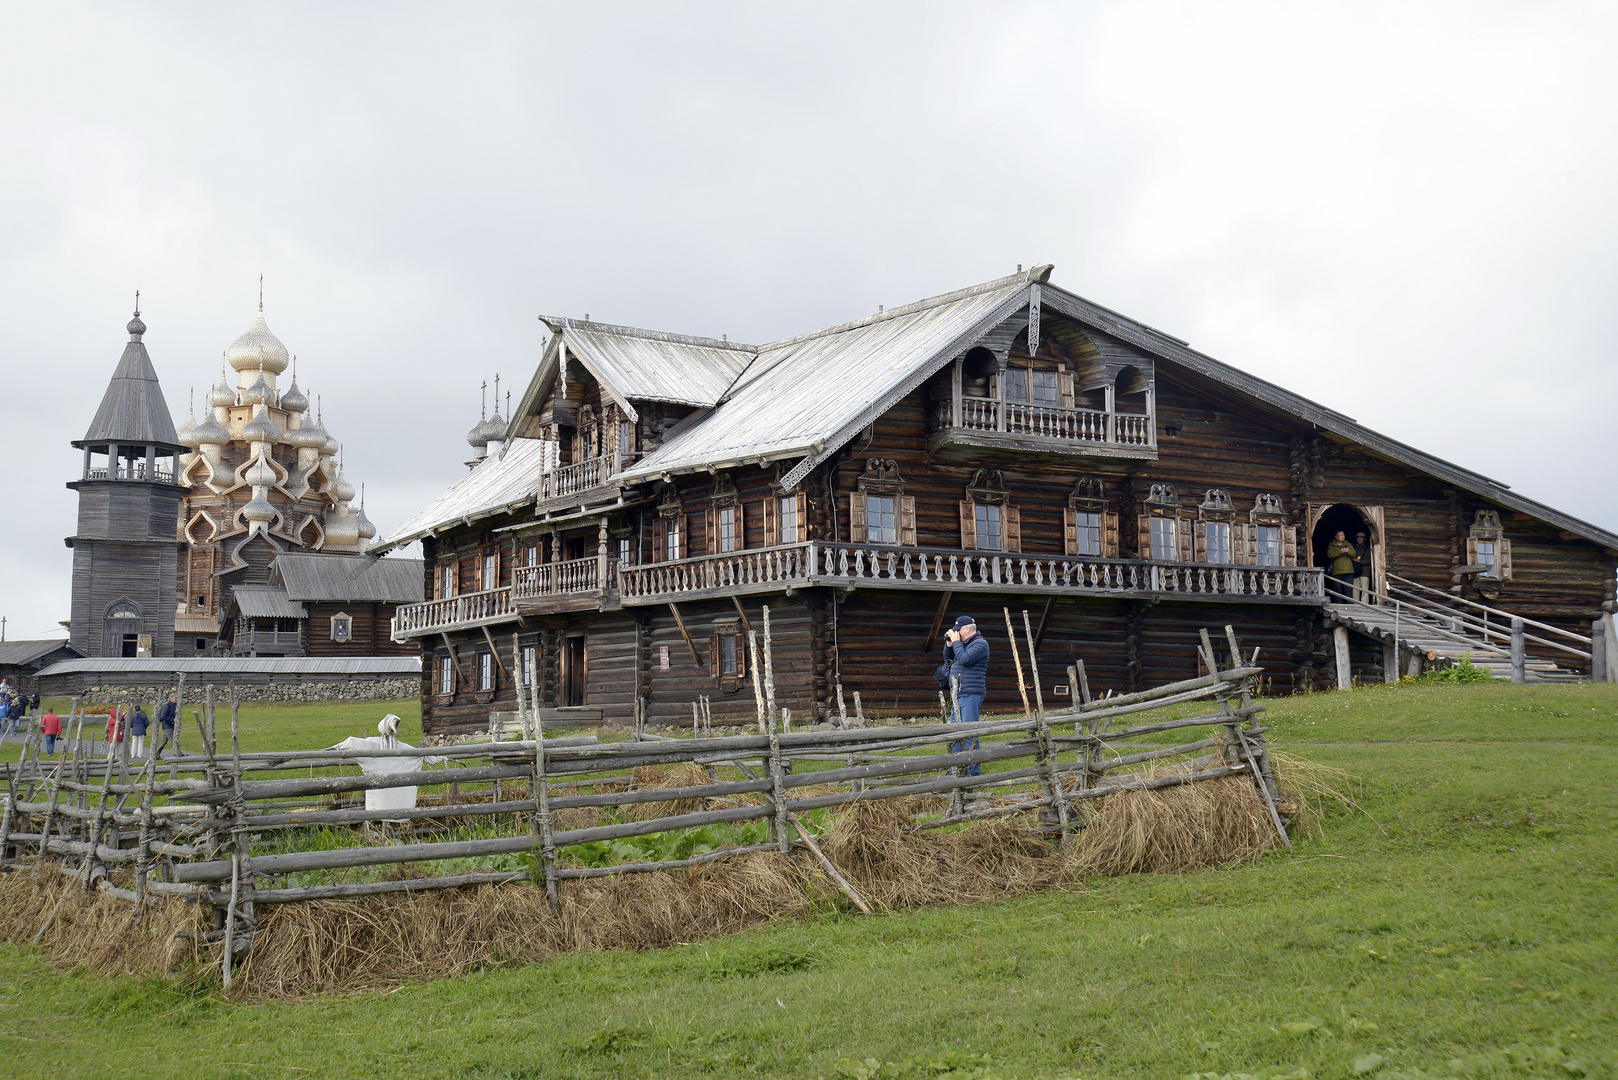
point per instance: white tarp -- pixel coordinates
(398, 798)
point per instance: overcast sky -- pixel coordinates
(1404, 211)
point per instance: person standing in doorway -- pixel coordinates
(967, 654)
(1362, 568)
(1340, 564)
(167, 717)
(138, 723)
(50, 726)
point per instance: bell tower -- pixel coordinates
(125, 555)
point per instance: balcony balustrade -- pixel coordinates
(815, 563)
(988, 422)
(453, 613)
(552, 579)
(567, 480)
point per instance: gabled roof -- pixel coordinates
(806, 395)
(499, 483)
(311, 576)
(644, 365)
(26, 652)
(133, 409)
(290, 666)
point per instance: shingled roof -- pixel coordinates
(133, 409)
(315, 577)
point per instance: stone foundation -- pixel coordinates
(301, 690)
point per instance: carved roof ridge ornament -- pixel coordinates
(1033, 319)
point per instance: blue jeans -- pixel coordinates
(50, 745)
(970, 706)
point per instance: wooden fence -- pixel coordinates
(187, 825)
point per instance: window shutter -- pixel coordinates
(713, 655)
(1109, 534)
(1065, 381)
(907, 520)
(1289, 545)
(660, 542)
(683, 523)
(1471, 551)
(802, 532)
(1145, 549)
(741, 656)
(1503, 559)
(1240, 536)
(969, 525)
(772, 521)
(1013, 528)
(741, 525)
(1070, 531)
(856, 517)
(1185, 532)
(710, 518)
(1199, 546)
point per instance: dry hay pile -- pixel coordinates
(96, 930)
(337, 945)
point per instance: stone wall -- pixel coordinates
(301, 690)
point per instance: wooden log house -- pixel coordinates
(1006, 445)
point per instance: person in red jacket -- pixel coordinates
(117, 722)
(50, 725)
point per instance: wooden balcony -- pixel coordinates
(1016, 425)
(574, 585)
(795, 566)
(455, 613)
(267, 643)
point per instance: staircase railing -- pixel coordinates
(1410, 594)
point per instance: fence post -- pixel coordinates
(1345, 671)
(1519, 652)
(1598, 652)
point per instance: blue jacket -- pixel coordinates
(969, 662)
(138, 722)
(165, 715)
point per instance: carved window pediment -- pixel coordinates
(724, 490)
(1216, 505)
(987, 486)
(1268, 510)
(1163, 501)
(881, 477)
(1089, 493)
(669, 505)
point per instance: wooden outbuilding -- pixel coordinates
(1007, 445)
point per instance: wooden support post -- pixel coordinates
(1390, 662)
(842, 709)
(542, 810)
(1044, 621)
(741, 613)
(1519, 652)
(1083, 688)
(777, 773)
(495, 651)
(695, 659)
(1345, 672)
(1022, 686)
(938, 621)
(1045, 759)
(859, 711)
(758, 681)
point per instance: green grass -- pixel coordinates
(1465, 924)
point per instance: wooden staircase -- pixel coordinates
(1445, 629)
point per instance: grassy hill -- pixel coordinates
(1462, 923)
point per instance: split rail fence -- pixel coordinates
(187, 825)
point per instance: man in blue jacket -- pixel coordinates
(967, 654)
(167, 718)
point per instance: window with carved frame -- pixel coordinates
(668, 527)
(727, 654)
(1487, 546)
(879, 512)
(989, 522)
(1267, 538)
(726, 520)
(1165, 532)
(1089, 527)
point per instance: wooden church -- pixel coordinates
(1006, 445)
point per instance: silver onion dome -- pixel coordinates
(259, 393)
(258, 348)
(186, 433)
(260, 474)
(222, 396)
(309, 436)
(367, 530)
(341, 490)
(294, 400)
(259, 510)
(262, 429)
(211, 432)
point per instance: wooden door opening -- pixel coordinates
(1325, 522)
(574, 671)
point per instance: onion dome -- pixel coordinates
(331, 447)
(259, 393)
(259, 510)
(341, 489)
(136, 328)
(187, 434)
(211, 432)
(222, 396)
(258, 348)
(367, 530)
(262, 429)
(494, 429)
(260, 474)
(309, 435)
(479, 435)
(293, 400)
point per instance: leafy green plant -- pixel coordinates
(1462, 671)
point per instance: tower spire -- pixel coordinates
(261, 294)
(137, 303)
(483, 400)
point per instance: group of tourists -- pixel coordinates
(14, 706)
(125, 724)
(1349, 567)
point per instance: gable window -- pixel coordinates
(485, 671)
(879, 512)
(1090, 528)
(342, 627)
(1016, 384)
(674, 542)
(1487, 547)
(446, 675)
(988, 520)
(491, 571)
(1046, 388)
(446, 581)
